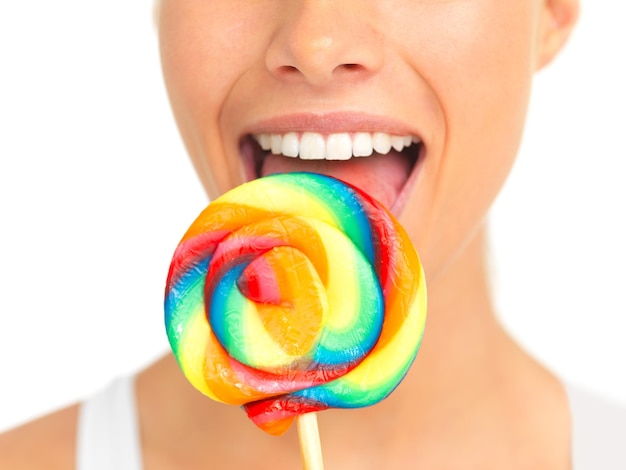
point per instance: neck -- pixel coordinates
(461, 328)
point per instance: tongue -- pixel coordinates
(382, 176)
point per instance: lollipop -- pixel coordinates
(292, 294)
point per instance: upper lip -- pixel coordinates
(330, 123)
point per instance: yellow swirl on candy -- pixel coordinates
(295, 293)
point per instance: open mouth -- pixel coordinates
(379, 163)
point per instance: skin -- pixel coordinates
(457, 74)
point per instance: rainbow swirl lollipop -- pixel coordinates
(295, 293)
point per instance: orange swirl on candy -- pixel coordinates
(295, 293)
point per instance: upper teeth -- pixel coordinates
(343, 146)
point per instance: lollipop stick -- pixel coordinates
(310, 446)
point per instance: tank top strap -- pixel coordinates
(598, 431)
(108, 431)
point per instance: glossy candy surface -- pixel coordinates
(295, 293)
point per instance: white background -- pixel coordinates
(96, 190)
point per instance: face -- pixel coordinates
(444, 83)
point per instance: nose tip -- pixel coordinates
(319, 45)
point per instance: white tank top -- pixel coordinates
(108, 432)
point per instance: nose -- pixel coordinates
(320, 42)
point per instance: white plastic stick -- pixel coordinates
(310, 446)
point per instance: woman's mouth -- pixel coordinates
(380, 163)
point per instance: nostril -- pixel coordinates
(351, 68)
(286, 71)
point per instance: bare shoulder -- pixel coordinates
(47, 442)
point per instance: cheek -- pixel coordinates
(477, 58)
(485, 97)
(206, 47)
(480, 64)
